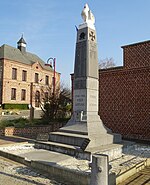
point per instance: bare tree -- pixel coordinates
(106, 63)
(56, 104)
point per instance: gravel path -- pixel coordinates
(12, 173)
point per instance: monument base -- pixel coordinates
(94, 130)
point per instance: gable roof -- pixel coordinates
(14, 54)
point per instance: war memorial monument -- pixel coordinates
(85, 133)
(85, 118)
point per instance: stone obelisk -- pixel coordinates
(85, 118)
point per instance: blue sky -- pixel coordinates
(49, 27)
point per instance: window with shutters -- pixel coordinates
(14, 73)
(24, 75)
(23, 94)
(13, 94)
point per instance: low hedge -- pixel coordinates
(15, 106)
(23, 122)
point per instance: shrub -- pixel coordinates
(21, 122)
(5, 123)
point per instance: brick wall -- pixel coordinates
(137, 55)
(30, 132)
(124, 95)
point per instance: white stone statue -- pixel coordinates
(87, 15)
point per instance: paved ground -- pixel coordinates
(12, 173)
(4, 140)
(28, 151)
(14, 145)
(140, 178)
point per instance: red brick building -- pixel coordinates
(124, 96)
(23, 76)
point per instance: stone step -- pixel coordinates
(63, 148)
(67, 138)
(73, 131)
(70, 134)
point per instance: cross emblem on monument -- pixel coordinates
(92, 36)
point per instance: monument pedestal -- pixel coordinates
(94, 130)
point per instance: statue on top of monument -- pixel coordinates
(87, 15)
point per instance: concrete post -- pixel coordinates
(99, 171)
(31, 113)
